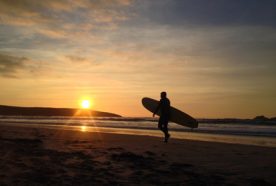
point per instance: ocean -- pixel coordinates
(241, 133)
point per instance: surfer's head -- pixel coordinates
(163, 94)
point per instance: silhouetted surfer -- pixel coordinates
(164, 106)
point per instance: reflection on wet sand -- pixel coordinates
(191, 135)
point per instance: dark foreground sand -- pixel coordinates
(32, 156)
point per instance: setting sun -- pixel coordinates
(85, 104)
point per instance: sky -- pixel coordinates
(214, 58)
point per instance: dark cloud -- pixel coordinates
(10, 65)
(53, 13)
(210, 12)
(83, 62)
(76, 58)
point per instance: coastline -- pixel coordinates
(6, 110)
(263, 141)
(39, 156)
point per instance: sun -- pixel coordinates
(85, 104)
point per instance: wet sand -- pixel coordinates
(36, 156)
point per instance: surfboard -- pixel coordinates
(177, 116)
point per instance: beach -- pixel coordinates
(40, 156)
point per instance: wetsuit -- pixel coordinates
(164, 106)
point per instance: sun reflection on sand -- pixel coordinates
(83, 128)
(86, 126)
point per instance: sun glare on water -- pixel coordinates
(85, 104)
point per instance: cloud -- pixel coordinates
(80, 61)
(22, 13)
(76, 58)
(51, 18)
(10, 65)
(209, 12)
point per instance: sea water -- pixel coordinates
(242, 133)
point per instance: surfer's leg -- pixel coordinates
(166, 131)
(161, 123)
(163, 126)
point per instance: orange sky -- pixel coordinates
(212, 63)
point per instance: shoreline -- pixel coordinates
(262, 141)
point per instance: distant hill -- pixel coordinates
(256, 120)
(47, 111)
(261, 118)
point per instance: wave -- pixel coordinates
(244, 129)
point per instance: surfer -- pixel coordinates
(164, 107)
